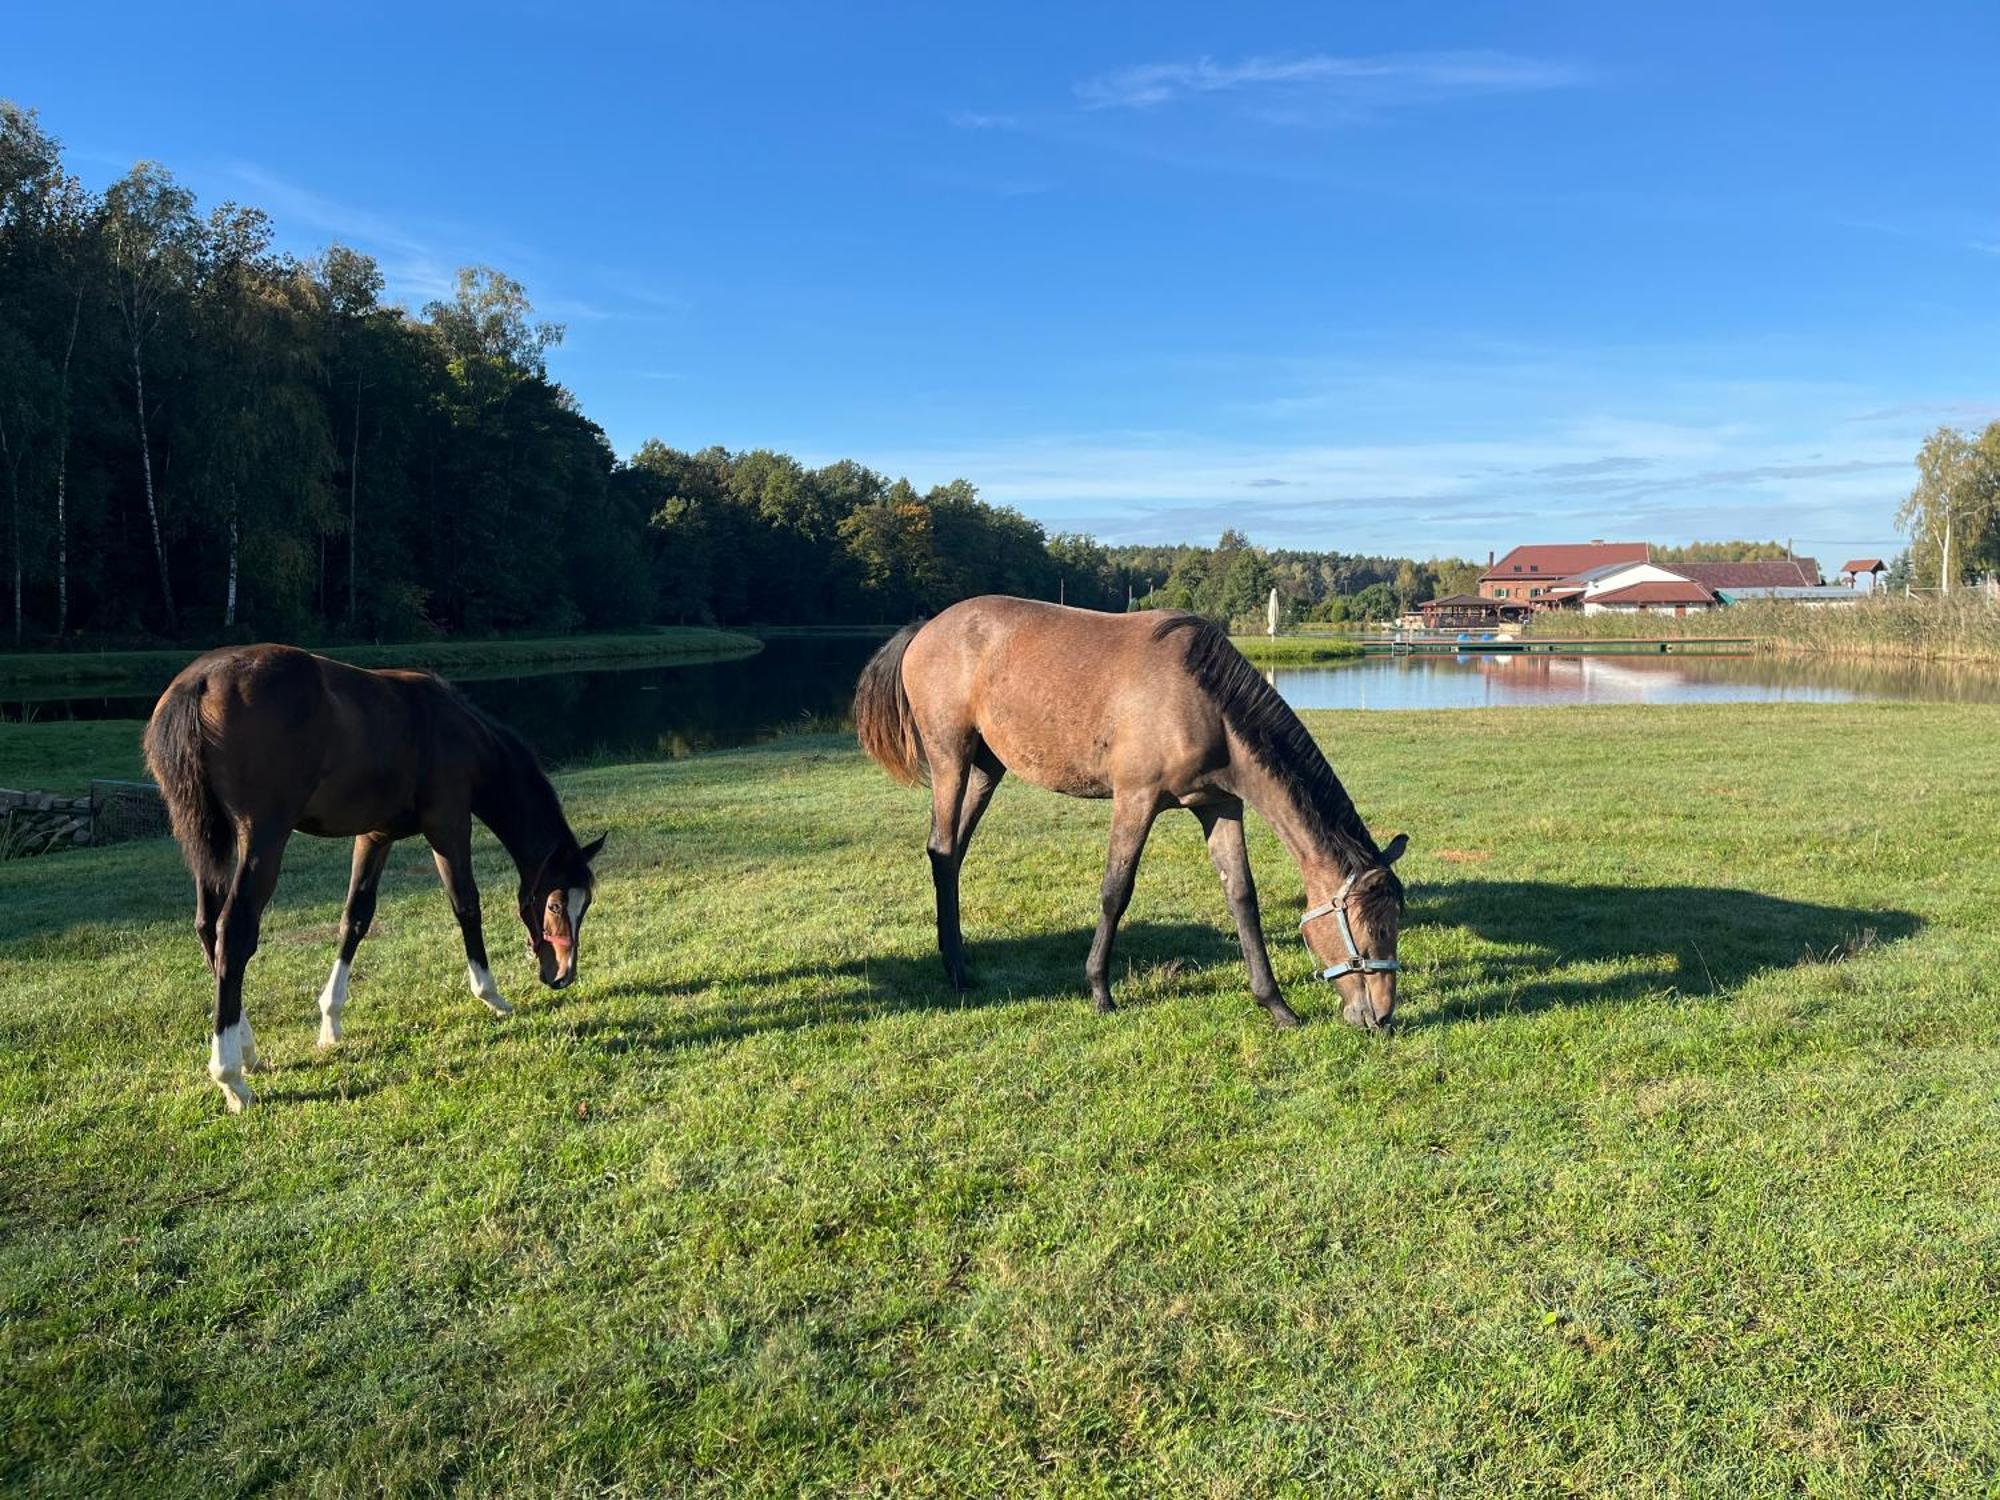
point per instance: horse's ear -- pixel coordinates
(594, 848)
(1396, 847)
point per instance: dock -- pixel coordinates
(1452, 644)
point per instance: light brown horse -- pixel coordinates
(1152, 710)
(252, 742)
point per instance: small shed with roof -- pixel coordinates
(1471, 612)
(1857, 568)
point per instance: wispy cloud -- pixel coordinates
(1362, 81)
(1668, 481)
(972, 119)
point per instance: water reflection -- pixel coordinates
(631, 713)
(1480, 681)
(655, 713)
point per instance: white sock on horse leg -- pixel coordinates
(486, 990)
(225, 1066)
(332, 1001)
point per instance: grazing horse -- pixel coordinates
(1152, 710)
(250, 743)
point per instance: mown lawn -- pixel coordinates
(1297, 650)
(1680, 1178)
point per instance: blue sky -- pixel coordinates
(1429, 279)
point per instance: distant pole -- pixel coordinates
(1271, 614)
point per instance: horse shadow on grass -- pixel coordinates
(1695, 940)
(1641, 941)
(1006, 971)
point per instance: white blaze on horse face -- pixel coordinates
(486, 990)
(225, 1066)
(332, 1001)
(576, 901)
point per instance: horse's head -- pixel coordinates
(1351, 933)
(553, 904)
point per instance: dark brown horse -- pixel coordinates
(1152, 710)
(250, 743)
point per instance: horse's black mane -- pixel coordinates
(528, 791)
(1280, 744)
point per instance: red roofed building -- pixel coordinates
(1532, 572)
(1768, 573)
(1655, 596)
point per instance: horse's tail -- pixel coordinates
(882, 718)
(174, 737)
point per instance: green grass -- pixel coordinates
(1679, 1180)
(63, 755)
(1296, 650)
(664, 643)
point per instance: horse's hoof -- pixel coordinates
(237, 1096)
(1283, 1018)
(494, 1003)
(1104, 1005)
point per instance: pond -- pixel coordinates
(664, 712)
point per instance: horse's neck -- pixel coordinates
(515, 800)
(1322, 864)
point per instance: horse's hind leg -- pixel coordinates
(961, 785)
(371, 853)
(260, 853)
(208, 901)
(1132, 817)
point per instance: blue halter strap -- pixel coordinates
(1354, 963)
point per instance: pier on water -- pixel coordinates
(1453, 643)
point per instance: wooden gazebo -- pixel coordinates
(1471, 612)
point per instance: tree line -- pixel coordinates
(202, 436)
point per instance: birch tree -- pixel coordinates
(150, 236)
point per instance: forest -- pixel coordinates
(203, 437)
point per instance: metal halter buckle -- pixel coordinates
(1354, 963)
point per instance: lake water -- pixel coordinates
(656, 713)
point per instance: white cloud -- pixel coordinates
(1670, 483)
(972, 119)
(1399, 78)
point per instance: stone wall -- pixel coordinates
(38, 822)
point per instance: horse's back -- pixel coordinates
(332, 748)
(1076, 700)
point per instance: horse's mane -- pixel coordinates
(529, 790)
(1279, 743)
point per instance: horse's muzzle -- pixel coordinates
(557, 962)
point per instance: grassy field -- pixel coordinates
(663, 643)
(63, 755)
(1296, 650)
(1678, 1180)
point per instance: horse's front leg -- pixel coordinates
(371, 853)
(1132, 817)
(1222, 825)
(452, 849)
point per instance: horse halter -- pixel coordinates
(1354, 963)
